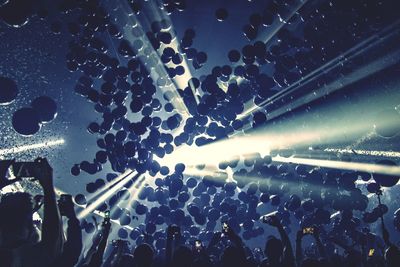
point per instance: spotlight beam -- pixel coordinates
(108, 194)
(282, 21)
(372, 43)
(109, 185)
(181, 81)
(23, 148)
(357, 75)
(351, 166)
(177, 100)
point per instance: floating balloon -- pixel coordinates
(16, 13)
(26, 121)
(46, 108)
(8, 90)
(221, 14)
(387, 123)
(386, 180)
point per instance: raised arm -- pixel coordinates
(51, 227)
(97, 259)
(299, 249)
(288, 250)
(173, 232)
(73, 246)
(320, 246)
(236, 240)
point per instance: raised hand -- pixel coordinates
(273, 221)
(299, 235)
(44, 173)
(66, 206)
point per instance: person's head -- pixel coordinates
(201, 262)
(182, 257)
(392, 256)
(232, 256)
(353, 258)
(16, 224)
(126, 261)
(273, 249)
(308, 262)
(251, 262)
(143, 255)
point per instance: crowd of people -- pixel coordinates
(26, 242)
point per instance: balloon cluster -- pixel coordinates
(125, 89)
(28, 121)
(198, 203)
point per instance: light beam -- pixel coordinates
(341, 165)
(23, 148)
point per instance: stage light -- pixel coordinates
(137, 187)
(109, 185)
(379, 57)
(107, 194)
(23, 148)
(216, 152)
(341, 165)
(179, 81)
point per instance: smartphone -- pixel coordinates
(107, 214)
(198, 245)
(24, 169)
(371, 252)
(308, 230)
(225, 227)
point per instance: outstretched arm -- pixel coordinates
(299, 249)
(51, 227)
(386, 236)
(320, 246)
(73, 246)
(97, 259)
(288, 250)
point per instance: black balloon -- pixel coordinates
(26, 121)
(8, 90)
(387, 123)
(45, 107)
(386, 180)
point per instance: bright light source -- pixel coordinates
(216, 152)
(19, 149)
(352, 166)
(109, 185)
(106, 195)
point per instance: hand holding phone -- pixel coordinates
(198, 245)
(225, 227)
(371, 252)
(308, 231)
